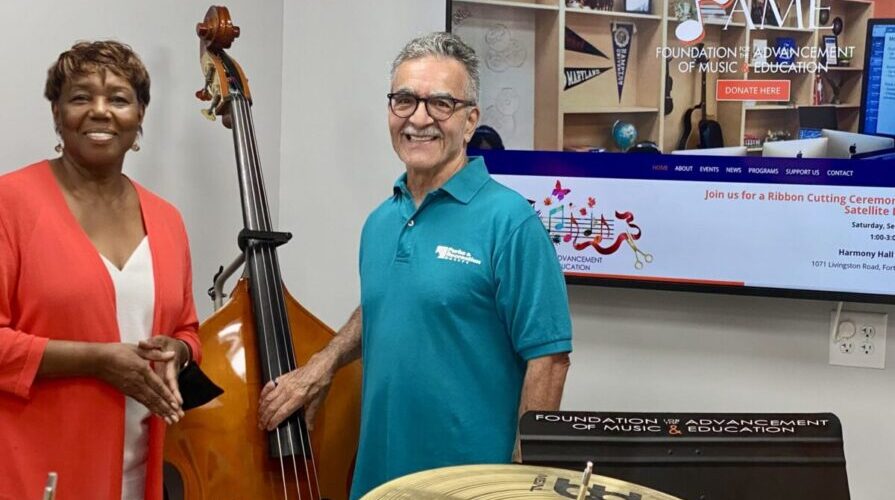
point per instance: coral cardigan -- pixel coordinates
(54, 285)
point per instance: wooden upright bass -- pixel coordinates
(216, 451)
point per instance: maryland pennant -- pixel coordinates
(577, 76)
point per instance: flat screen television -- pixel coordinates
(786, 227)
(808, 227)
(878, 91)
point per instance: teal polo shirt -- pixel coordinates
(457, 295)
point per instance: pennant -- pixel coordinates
(622, 33)
(577, 76)
(575, 43)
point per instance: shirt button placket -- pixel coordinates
(404, 243)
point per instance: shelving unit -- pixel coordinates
(582, 116)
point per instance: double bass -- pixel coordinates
(217, 451)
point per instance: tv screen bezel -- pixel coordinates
(869, 36)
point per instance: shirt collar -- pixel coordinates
(463, 185)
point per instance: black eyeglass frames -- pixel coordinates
(403, 105)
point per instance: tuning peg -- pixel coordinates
(210, 112)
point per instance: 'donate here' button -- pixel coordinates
(753, 90)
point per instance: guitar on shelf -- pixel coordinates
(706, 133)
(669, 84)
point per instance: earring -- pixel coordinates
(60, 144)
(136, 145)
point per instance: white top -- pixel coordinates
(135, 300)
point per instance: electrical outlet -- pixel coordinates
(858, 339)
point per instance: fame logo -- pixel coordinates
(692, 31)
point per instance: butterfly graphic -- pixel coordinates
(559, 192)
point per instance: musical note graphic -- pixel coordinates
(605, 228)
(573, 223)
(584, 229)
(692, 31)
(590, 228)
(562, 215)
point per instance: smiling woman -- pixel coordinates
(96, 306)
(99, 93)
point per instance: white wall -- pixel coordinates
(184, 158)
(337, 160)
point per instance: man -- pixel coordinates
(464, 314)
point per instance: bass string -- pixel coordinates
(267, 273)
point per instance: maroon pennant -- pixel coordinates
(575, 43)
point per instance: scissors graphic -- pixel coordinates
(647, 257)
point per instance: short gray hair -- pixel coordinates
(443, 44)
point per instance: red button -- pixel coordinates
(753, 90)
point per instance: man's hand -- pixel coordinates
(306, 386)
(127, 368)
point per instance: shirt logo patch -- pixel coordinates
(455, 254)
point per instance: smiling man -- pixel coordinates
(464, 320)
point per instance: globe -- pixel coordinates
(624, 134)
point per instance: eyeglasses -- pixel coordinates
(403, 105)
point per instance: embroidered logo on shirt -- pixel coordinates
(455, 254)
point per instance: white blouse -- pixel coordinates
(135, 301)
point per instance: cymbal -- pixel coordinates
(505, 482)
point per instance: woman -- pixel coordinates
(96, 306)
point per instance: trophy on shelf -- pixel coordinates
(818, 91)
(683, 10)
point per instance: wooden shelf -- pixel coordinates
(846, 68)
(787, 29)
(770, 107)
(612, 13)
(603, 110)
(585, 113)
(511, 3)
(713, 22)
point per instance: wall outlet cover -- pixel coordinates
(858, 339)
